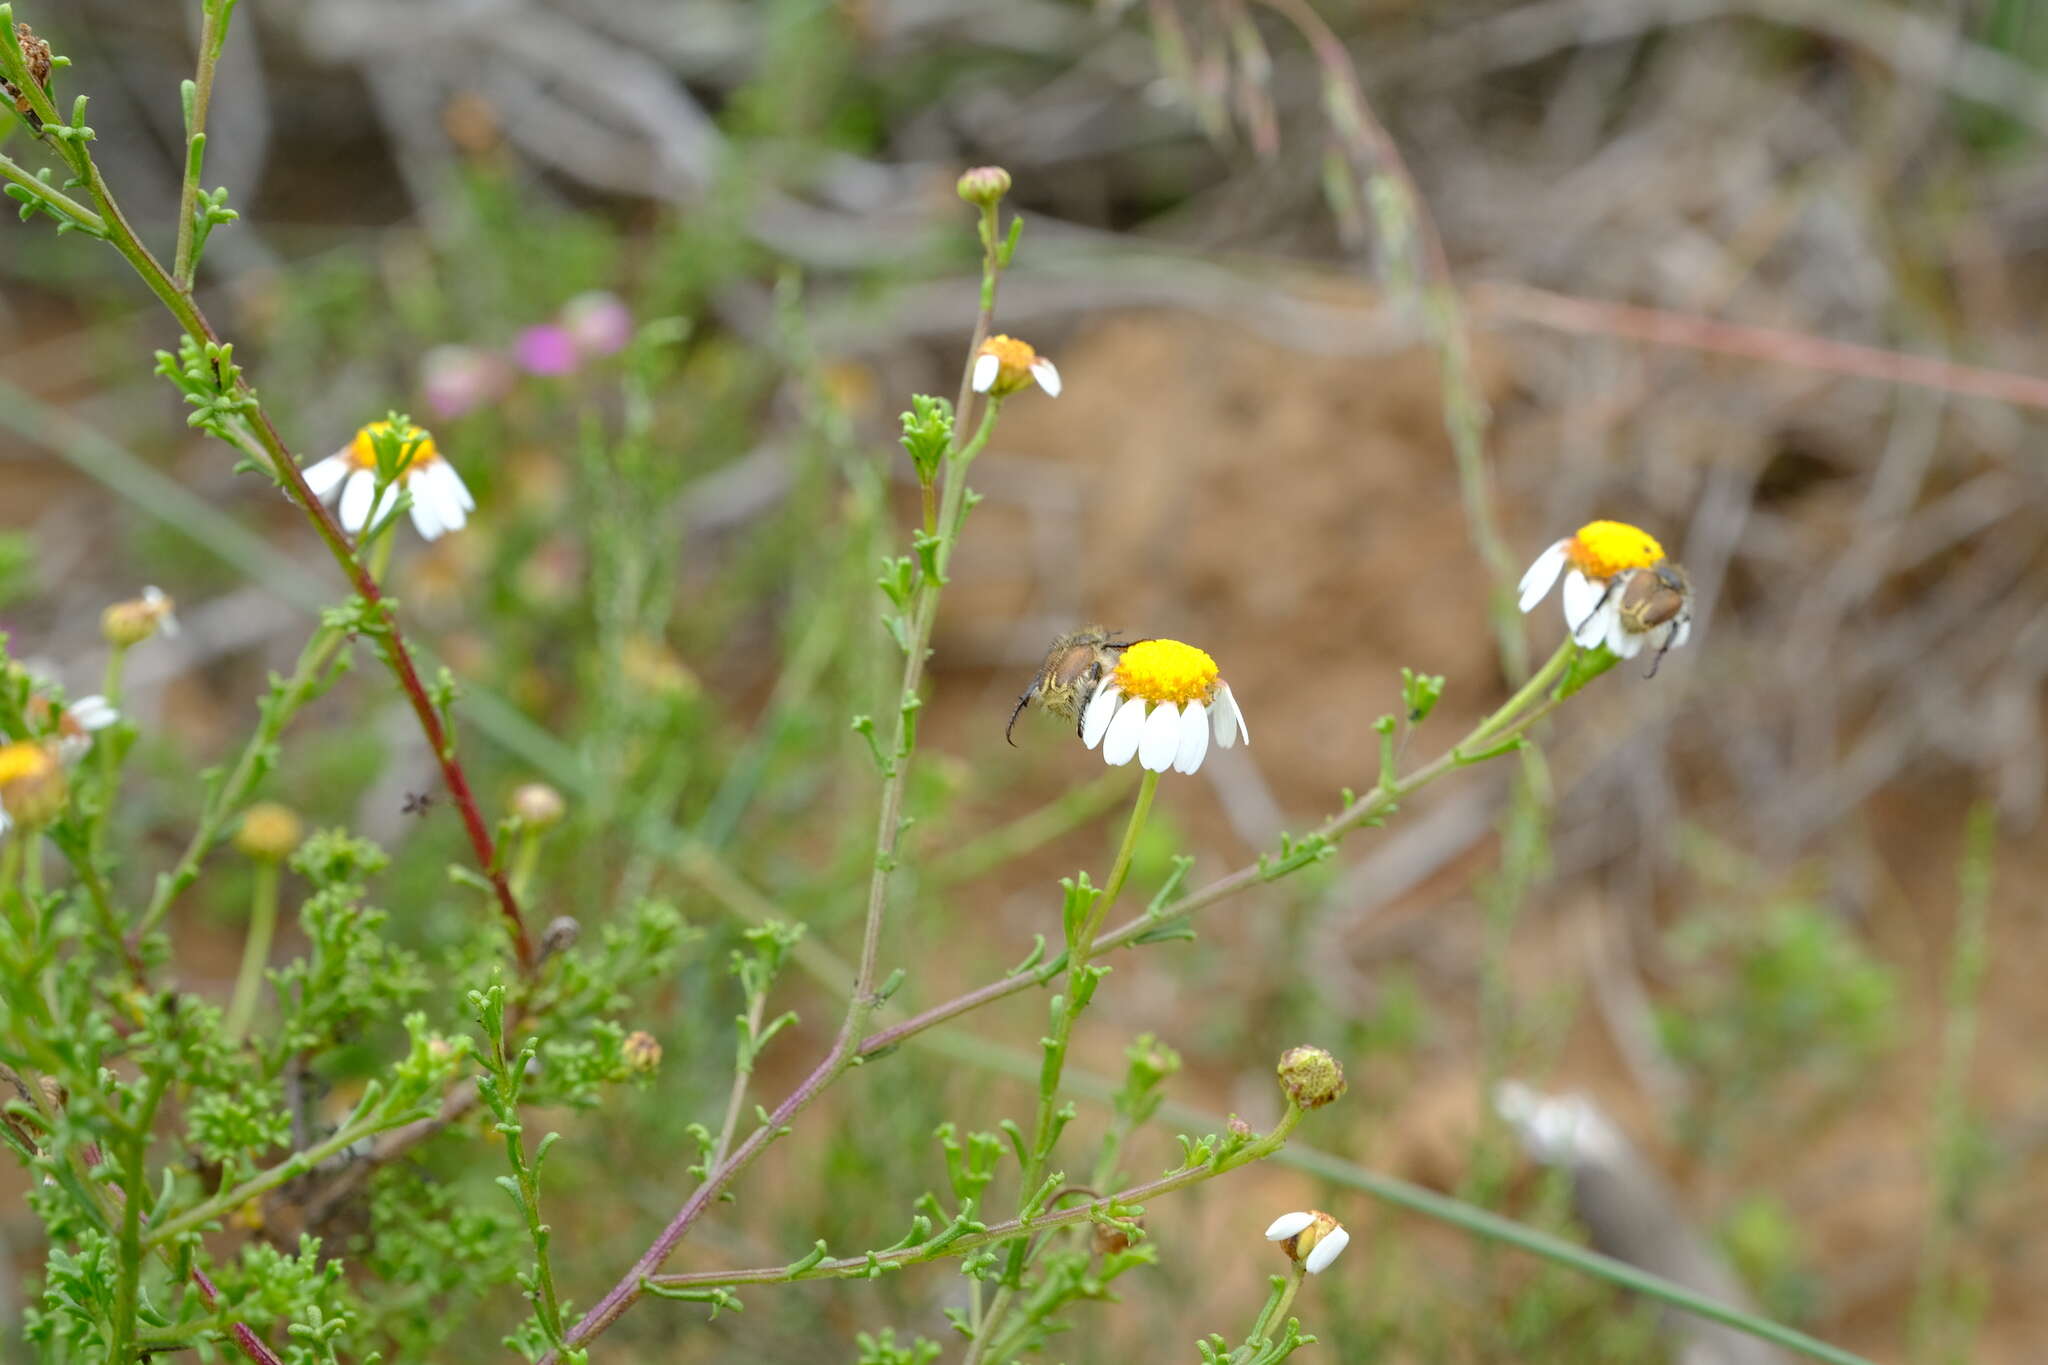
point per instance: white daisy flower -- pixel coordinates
(127, 624)
(1004, 365)
(440, 500)
(1312, 1238)
(1558, 1130)
(1161, 705)
(1592, 560)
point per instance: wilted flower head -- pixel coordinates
(32, 785)
(1160, 705)
(597, 322)
(35, 53)
(1004, 365)
(538, 805)
(641, 1052)
(269, 832)
(1594, 560)
(1311, 1077)
(459, 379)
(127, 624)
(440, 500)
(1312, 1239)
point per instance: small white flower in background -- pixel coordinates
(1004, 365)
(1558, 1130)
(440, 500)
(1160, 705)
(1312, 1238)
(1619, 589)
(158, 603)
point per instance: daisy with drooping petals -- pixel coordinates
(440, 500)
(1592, 560)
(1312, 1238)
(1160, 705)
(1004, 365)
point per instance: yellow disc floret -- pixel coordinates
(1602, 549)
(1014, 360)
(23, 760)
(363, 449)
(1166, 671)
(31, 782)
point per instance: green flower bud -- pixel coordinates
(1310, 1076)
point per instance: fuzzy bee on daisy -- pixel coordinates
(1620, 590)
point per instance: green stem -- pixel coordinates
(847, 1267)
(264, 1181)
(249, 769)
(1275, 1311)
(103, 754)
(255, 949)
(212, 33)
(58, 201)
(1045, 1126)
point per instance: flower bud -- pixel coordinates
(538, 805)
(984, 185)
(32, 786)
(641, 1052)
(269, 832)
(1312, 1239)
(1310, 1076)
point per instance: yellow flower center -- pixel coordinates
(1014, 359)
(1166, 670)
(24, 761)
(363, 449)
(1602, 549)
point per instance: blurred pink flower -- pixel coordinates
(598, 322)
(459, 379)
(546, 350)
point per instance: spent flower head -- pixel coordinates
(641, 1052)
(269, 832)
(408, 456)
(1004, 365)
(538, 805)
(1599, 561)
(1160, 705)
(1311, 1077)
(1311, 1238)
(127, 624)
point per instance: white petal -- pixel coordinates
(1226, 721)
(1536, 583)
(4, 821)
(455, 491)
(1683, 633)
(92, 713)
(326, 475)
(166, 619)
(1194, 737)
(986, 368)
(355, 500)
(1625, 643)
(1658, 636)
(1326, 1251)
(1047, 375)
(426, 511)
(1288, 1225)
(1120, 745)
(1161, 740)
(1583, 598)
(1101, 707)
